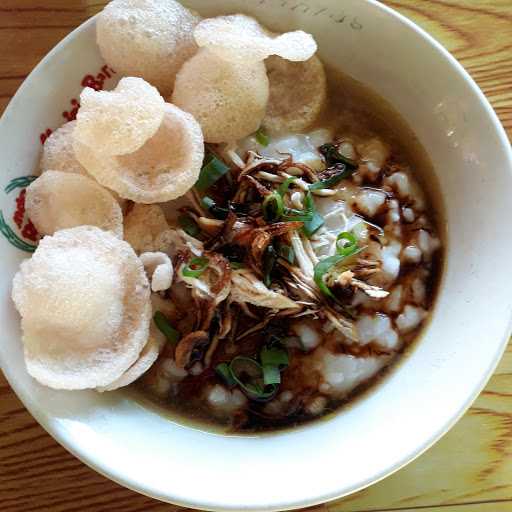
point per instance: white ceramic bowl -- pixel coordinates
(419, 401)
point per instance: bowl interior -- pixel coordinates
(419, 401)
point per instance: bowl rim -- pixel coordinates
(60, 435)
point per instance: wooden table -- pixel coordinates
(469, 470)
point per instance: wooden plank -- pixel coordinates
(471, 463)
(27, 48)
(479, 34)
(505, 506)
(27, 14)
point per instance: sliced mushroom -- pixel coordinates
(209, 289)
(306, 169)
(224, 231)
(191, 348)
(210, 226)
(214, 283)
(256, 162)
(225, 325)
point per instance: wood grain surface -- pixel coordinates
(469, 470)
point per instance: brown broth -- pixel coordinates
(356, 110)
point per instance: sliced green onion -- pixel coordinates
(323, 267)
(262, 138)
(274, 356)
(164, 326)
(217, 211)
(207, 202)
(317, 221)
(189, 225)
(260, 393)
(348, 248)
(321, 270)
(271, 375)
(248, 374)
(269, 261)
(273, 207)
(196, 266)
(212, 171)
(245, 368)
(286, 252)
(223, 371)
(283, 188)
(293, 215)
(235, 265)
(312, 226)
(339, 173)
(333, 156)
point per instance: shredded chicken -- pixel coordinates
(247, 288)
(305, 263)
(348, 279)
(346, 327)
(372, 291)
